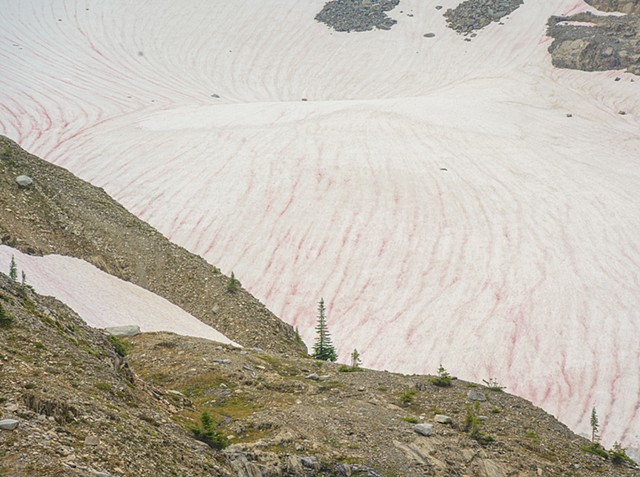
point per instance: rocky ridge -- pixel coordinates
(60, 213)
(590, 42)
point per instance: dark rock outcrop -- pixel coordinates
(591, 42)
(357, 15)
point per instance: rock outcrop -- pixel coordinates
(589, 42)
(357, 15)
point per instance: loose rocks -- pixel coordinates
(357, 15)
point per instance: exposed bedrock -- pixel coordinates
(622, 6)
(357, 15)
(596, 43)
(473, 15)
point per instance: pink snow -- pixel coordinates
(103, 300)
(519, 262)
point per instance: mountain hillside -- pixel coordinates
(422, 165)
(82, 409)
(61, 214)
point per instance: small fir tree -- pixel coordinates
(13, 270)
(208, 433)
(355, 359)
(323, 348)
(24, 279)
(233, 285)
(594, 425)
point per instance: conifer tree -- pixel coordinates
(355, 359)
(323, 348)
(594, 425)
(233, 285)
(13, 270)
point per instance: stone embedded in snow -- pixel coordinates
(424, 429)
(442, 419)
(476, 395)
(123, 331)
(429, 35)
(8, 424)
(24, 181)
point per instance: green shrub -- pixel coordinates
(618, 455)
(349, 369)
(596, 449)
(472, 424)
(119, 345)
(412, 420)
(493, 385)
(443, 379)
(6, 319)
(208, 433)
(103, 386)
(408, 396)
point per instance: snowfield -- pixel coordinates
(103, 300)
(434, 191)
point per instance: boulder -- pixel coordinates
(442, 419)
(474, 395)
(123, 331)
(24, 181)
(8, 424)
(424, 429)
(92, 441)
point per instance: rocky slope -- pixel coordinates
(59, 213)
(589, 42)
(79, 408)
(83, 409)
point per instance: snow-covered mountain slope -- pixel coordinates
(103, 300)
(520, 261)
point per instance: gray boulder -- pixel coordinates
(8, 424)
(424, 429)
(123, 331)
(24, 181)
(476, 396)
(442, 419)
